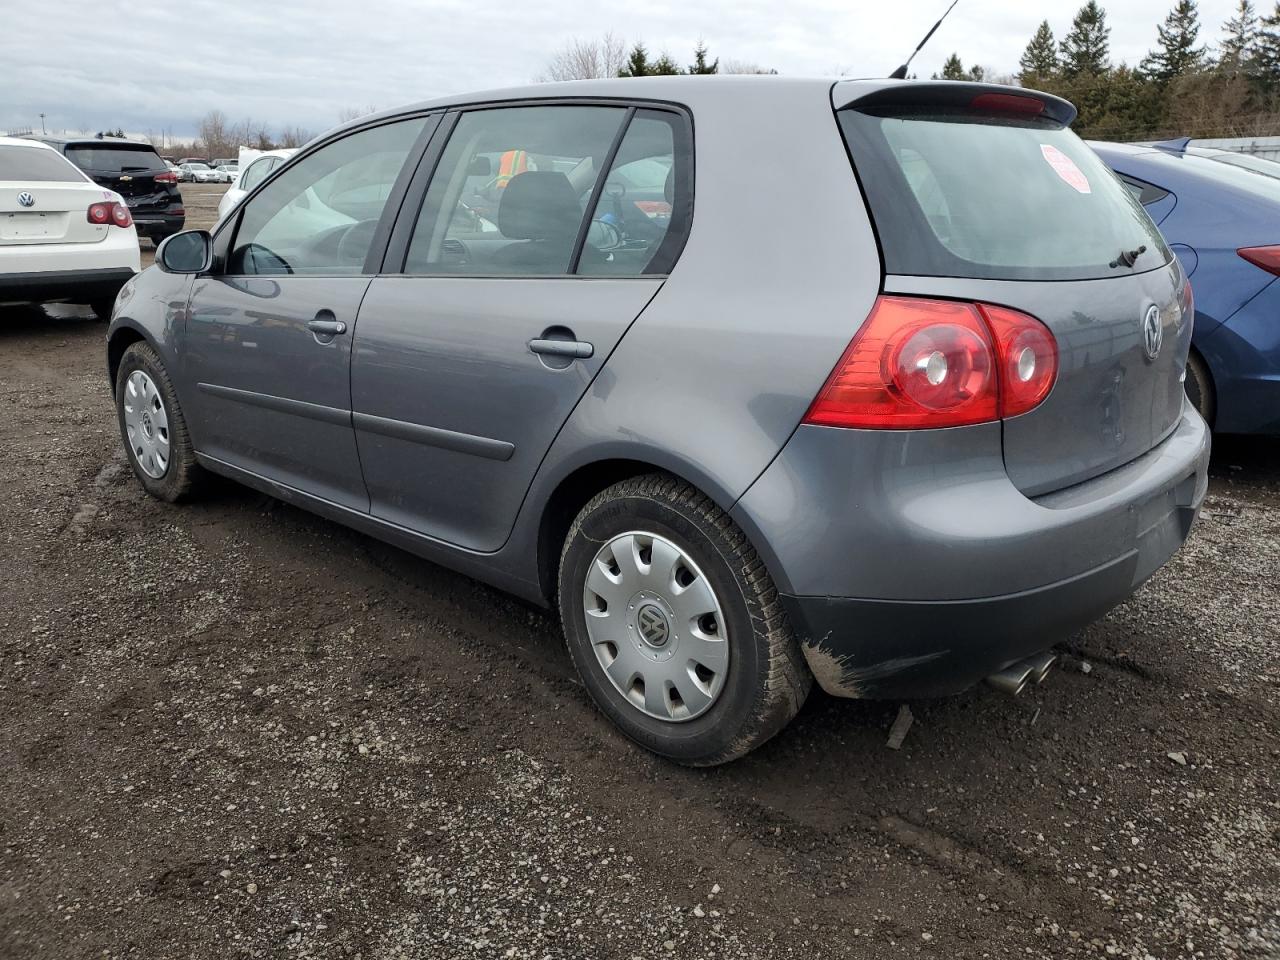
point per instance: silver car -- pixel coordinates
(759, 381)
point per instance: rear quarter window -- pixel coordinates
(36, 165)
(957, 194)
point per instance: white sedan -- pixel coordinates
(255, 165)
(62, 237)
(200, 173)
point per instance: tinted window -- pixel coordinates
(642, 212)
(509, 193)
(115, 159)
(959, 195)
(257, 172)
(319, 216)
(1268, 168)
(36, 164)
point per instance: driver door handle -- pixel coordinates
(327, 328)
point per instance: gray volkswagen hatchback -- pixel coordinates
(761, 381)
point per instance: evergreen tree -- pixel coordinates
(1240, 33)
(976, 74)
(952, 69)
(1266, 58)
(1040, 59)
(700, 67)
(1177, 54)
(637, 64)
(664, 66)
(1086, 49)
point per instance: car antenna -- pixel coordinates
(901, 72)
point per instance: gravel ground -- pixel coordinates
(232, 729)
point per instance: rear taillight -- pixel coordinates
(167, 177)
(1268, 258)
(175, 211)
(110, 213)
(919, 363)
(1008, 103)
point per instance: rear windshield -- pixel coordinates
(955, 194)
(36, 164)
(112, 159)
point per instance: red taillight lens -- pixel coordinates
(167, 177)
(1268, 258)
(920, 363)
(110, 213)
(1008, 103)
(1028, 358)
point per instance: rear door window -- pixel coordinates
(116, 159)
(36, 165)
(956, 193)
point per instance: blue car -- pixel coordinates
(1222, 219)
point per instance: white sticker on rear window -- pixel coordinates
(1066, 168)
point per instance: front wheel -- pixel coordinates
(1199, 387)
(152, 426)
(674, 624)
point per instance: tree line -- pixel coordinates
(611, 57)
(1181, 88)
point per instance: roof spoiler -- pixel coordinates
(1178, 146)
(979, 97)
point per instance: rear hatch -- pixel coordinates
(43, 199)
(984, 194)
(130, 170)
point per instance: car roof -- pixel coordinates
(23, 142)
(92, 142)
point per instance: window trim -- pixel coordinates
(397, 252)
(226, 233)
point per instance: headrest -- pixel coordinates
(539, 205)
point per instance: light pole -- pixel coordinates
(43, 132)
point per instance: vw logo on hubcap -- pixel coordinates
(653, 625)
(1152, 332)
(25, 199)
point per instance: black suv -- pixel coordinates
(136, 172)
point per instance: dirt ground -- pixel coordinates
(232, 729)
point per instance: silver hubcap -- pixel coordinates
(656, 626)
(146, 424)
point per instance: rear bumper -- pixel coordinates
(926, 573)
(157, 226)
(75, 285)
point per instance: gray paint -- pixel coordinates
(433, 402)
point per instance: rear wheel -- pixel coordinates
(1199, 386)
(152, 426)
(674, 624)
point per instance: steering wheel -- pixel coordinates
(356, 240)
(260, 255)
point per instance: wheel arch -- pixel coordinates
(119, 340)
(577, 485)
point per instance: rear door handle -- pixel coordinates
(327, 328)
(575, 349)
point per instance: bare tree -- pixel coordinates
(291, 137)
(745, 66)
(586, 60)
(355, 113)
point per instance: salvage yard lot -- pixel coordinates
(233, 729)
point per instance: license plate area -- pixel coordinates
(29, 226)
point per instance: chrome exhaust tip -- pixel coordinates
(1013, 679)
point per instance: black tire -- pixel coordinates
(183, 473)
(767, 679)
(1199, 386)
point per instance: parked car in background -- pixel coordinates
(1188, 147)
(1223, 220)
(62, 236)
(896, 444)
(196, 172)
(136, 172)
(221, 162)
(256, 165)
(230, 172)
(203, 160)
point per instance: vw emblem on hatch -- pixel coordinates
(26, 200)
(1152, 332)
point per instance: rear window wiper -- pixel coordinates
(1127, 258)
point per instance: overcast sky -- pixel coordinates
(165, 63)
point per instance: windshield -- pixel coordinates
(36, 164)
(115, 159)
(958, 194)
(198, 166)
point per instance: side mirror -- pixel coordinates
(604, 236)
(188, 252)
